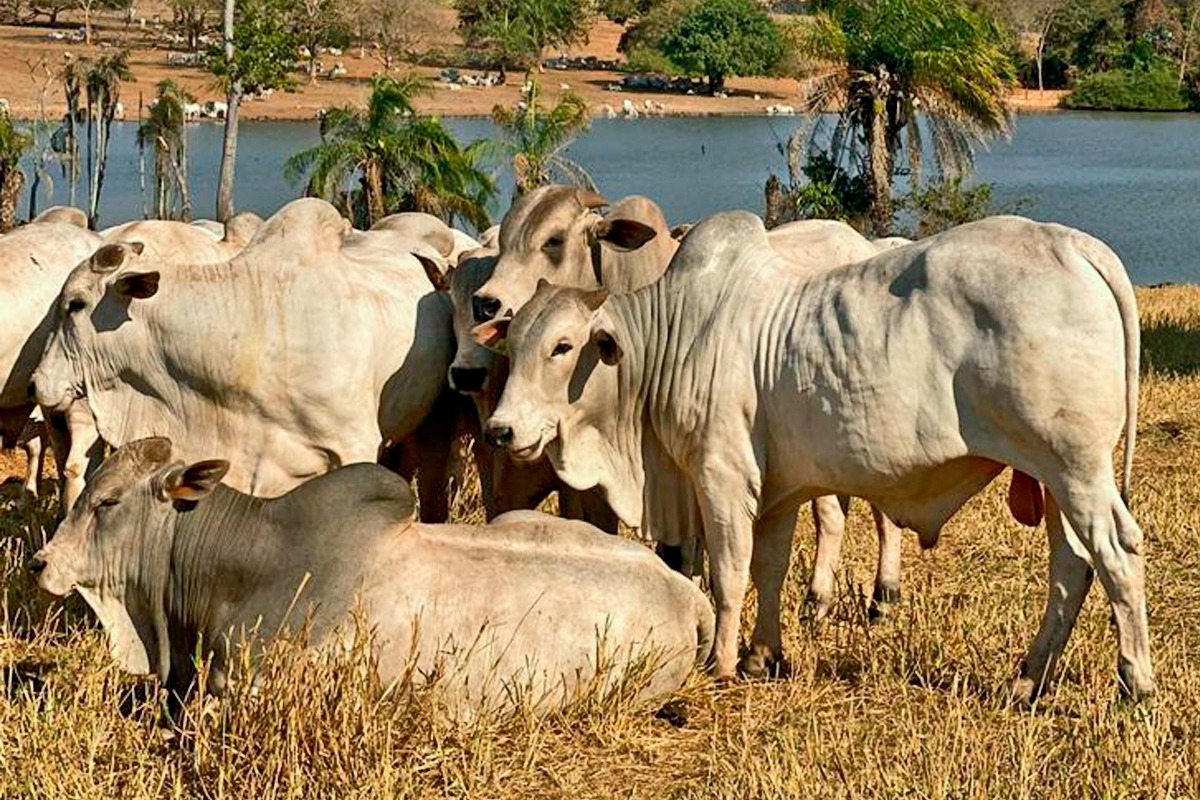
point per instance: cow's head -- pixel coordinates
(94, 300)
(554, 343)
(474, 368)
(107, 538)
(550, 234)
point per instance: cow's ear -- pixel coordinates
(594, 299)
(607, 344)
(434, 271)
(137, 285)
(493, 334)
(110, 257)
(194, 481)
(622, 234)
(589, 199)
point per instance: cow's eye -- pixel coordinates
(560, 349)
(107, 502)
(75, 305)
(553, 243)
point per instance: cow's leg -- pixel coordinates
(1113, 539)
(887, 570)
(1070, 579)
(85, 451)
(33, 442)
(729, 536)
(769, 563)
(589, 506)
(829, 519)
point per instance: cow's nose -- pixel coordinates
(485, 308)
(31, 390)
(467, 379)
(498, 434)
(35, 565)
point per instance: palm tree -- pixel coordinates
(72, 77)
(399, 160)
(895, 68)
(102, 84)
(163, 130)
(534, 139)
(13, 144)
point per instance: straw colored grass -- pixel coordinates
(915, 707)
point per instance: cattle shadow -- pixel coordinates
(1170, 349)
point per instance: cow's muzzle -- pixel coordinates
(498, 434)
(468, 380)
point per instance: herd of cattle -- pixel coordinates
(250, 379)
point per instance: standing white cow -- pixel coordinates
(315, 347)
(910, 379)
(34, 262)
(557, 234)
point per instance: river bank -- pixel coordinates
(34, 54)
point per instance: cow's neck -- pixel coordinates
(222, 548)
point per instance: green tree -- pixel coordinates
(718, 38)
(257, 52)
(515, 32)
(534, 139)
(882, 61)
(163, 131)
(102, 80)
(386, 158)
(13, 144)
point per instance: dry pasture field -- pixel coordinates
(915, 707)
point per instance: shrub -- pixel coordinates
(1152, 89)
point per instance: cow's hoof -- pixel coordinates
(1024, 693)
(1134, 686)
(816, 608)
(883, 600)
(673, 713)
(761, 664)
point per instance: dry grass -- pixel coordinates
(914, 708)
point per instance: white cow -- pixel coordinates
(317, 346)
(34, 262)
(528, 609)
(911, 379)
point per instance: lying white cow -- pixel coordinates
(315, 347)
(34, 262)
(910, 379)
(176, 565)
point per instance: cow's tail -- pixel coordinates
(1109, 267)
(706, 629)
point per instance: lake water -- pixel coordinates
(1131, 179)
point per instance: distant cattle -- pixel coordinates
(530, 609)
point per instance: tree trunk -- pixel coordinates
(312, 66)
(91, 162)
(776, 207)
(185, 196)
(11, 182)
(87, 22)
(229, 147)
(879, 163)
(373, 186)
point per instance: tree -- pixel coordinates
(13, 144)
(72, 76)
(258, 52)
(515, 32)
(882, 62)
(718, 38)
(386, 158)
(314, 23)
(88, 7)
(534, 139)
(193, 18)
(102, 87)
(163, 131)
